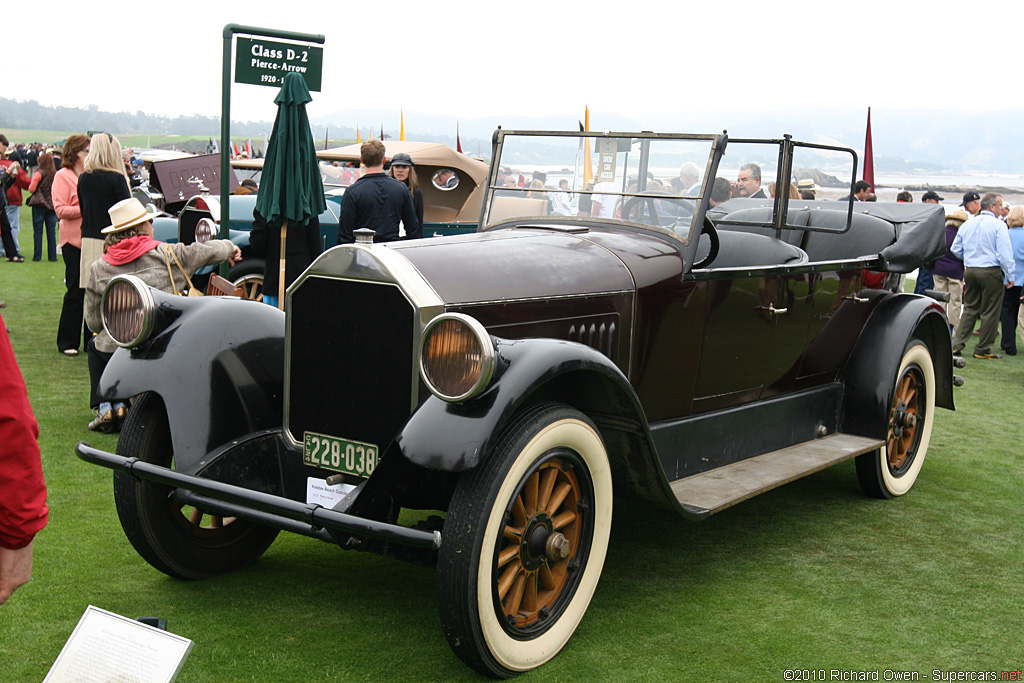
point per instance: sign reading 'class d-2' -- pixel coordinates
(265, 62)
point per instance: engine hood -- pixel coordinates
(509, 265)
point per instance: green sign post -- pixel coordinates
(264, 62)
(257, 70)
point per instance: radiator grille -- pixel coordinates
(350, 360)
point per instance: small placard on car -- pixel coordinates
(339, 455)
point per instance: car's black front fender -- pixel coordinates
(455, 436)
(218, 364)
(872, 367)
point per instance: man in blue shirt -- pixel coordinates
(984, 247)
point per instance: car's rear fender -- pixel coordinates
(218, 365)
(875, 360)
(455, 437)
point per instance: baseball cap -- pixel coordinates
(931, 194)
(970, 197)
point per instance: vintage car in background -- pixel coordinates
(524, 375)
(187, 191)
(452, 183)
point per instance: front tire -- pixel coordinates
(524, 542)
(179, 540)
(249, 276)
(891, 471)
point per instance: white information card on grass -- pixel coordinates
(108, 647)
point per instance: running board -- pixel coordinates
(713, 491)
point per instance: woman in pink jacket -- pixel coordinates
(64, 192)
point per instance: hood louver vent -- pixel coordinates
(600, 336)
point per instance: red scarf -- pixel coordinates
(129, 249)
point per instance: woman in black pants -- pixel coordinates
(64, 192)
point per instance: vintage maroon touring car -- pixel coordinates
(513, 378)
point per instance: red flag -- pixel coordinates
(869, 157)
(458, 143)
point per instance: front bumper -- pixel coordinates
(261, 508)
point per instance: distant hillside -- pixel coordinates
(932, 140)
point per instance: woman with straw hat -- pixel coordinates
(129, 249)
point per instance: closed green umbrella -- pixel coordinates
(291, 190)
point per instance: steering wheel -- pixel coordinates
(633, 202)
(708, 229)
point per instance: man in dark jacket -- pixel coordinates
(377, 202)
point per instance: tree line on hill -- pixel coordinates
(35, 116)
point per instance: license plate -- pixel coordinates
(340, 455)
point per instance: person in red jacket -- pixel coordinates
(14, 195)
(23, 510)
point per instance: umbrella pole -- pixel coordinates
(280, 276)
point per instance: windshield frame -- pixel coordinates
(643, 141)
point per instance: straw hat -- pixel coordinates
(957, 216)
(807, 184)
(127, 213)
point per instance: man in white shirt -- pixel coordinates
(560, 200)
(604, 204)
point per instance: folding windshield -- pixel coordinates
(786, 182)
(652, 180)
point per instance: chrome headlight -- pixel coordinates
(456, 357)
(206, 230)
(128, 310)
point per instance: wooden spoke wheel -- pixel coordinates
(524, 542)
(540, 542)
(892, 471)
(179, 540)
(252, 286)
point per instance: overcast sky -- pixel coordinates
(469, 59)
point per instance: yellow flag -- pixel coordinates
(359, 138)
(588, 172)
(401, 134)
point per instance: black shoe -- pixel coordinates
(958, 352)
(1010, 352)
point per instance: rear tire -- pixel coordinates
(892, 470)
(179, 540)
(524, 542)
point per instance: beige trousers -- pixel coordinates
(956, 296)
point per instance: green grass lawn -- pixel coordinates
(811, 576)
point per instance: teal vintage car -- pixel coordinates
(186, 189)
